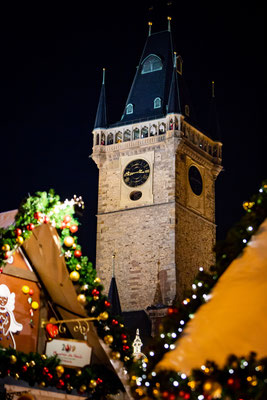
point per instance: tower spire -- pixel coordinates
(149, 28)
(113, 294)
(101, 114)
(169, 23)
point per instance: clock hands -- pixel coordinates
(128, 173)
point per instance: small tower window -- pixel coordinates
(110, 138)
(144, 132)
(129, 109)
(179, 65)
(97, 139)
(136, 133)
(151, 63)
(118, 137)
(127, 136)
(157, 102)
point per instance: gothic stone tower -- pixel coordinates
(157, 177)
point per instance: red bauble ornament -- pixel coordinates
(46, 219)
(67, 376)
(24, 368)
(181, 393)
(30, 227)
(107, 303)
(31, 291)
(125, 348)
(73, 228)
(165, 395)
(37, 215)
(45, 370)
(77, 253)
(172, 310)
(187, 396)
(50, 376)
(172, 397)
(61, 383)
(123, 336)
(98, 381)
(95, 292)
(18, 232)
(52, 330)
(114, 322)
(67, 218)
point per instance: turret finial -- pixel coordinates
(212, 89)
(149, 28)
(104, 72)
(174, 59)
(113, 265)
(169, 23)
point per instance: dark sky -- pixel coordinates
(50, 78)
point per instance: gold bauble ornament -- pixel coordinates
(32, 363)
(121, 325)
(42, 384)
(213, 389)
(13, 359)
(78, 267)
(108, 339)
(79, 372)
(43, 356)
(92, 384)
(115, 355)
(93, 309)
(68, 241)
(17, 376)
(103, 315)
(74, 276)
(96, 298)
(97, 280)
(60, 370)
(19, 240)
(35, 305)
(82, 389)
(126, 358)
(81, 299)
(25, 289)
(6, 247)
(124, 341)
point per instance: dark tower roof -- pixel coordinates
(147, 86)
(157, 88)
(101, 114)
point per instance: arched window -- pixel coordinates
(129, 109)
(136, 133)
(162, 128)
(110, 138)
(153, 130)
(151, 63)
(103, 138)
(144, 132)
(118, 137)
(171, 125)
(97, 139)
(127, 136)
(157, 102)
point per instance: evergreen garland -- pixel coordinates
(43, 208)
(247, 379)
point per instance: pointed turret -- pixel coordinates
(101, 114)
(174, 104)
(113, 294)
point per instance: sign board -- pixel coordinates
(72, 353)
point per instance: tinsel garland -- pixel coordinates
(249, 379)
(43, 208)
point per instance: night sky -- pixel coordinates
(51, 73)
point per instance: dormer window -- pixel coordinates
(151, 63)
(129, 109)
(157, 102)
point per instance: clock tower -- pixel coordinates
(157, 172)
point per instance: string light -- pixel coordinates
(183, 376)
(250, 228)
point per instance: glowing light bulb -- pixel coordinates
(166, 345)
(174, 335)
(200, 284)
(201, 269)
(244, 240)
(151, 353)
(183, 376)
(172, 346)
(231, 371)
(250, 228)
(175, 383)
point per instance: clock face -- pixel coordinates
(195, 180)
(136, 173)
